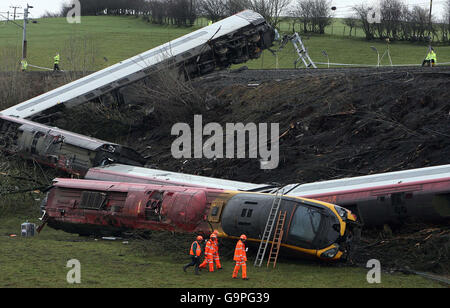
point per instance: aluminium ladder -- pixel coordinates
(277, 237)
(269, 227)
(301, 51)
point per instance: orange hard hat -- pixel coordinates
(243, 237)
(199, 238)
(216, 232)
(213, 235)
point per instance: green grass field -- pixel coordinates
(41, 262)
(102, 41)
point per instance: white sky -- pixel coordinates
(344, 7)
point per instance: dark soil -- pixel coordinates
(412, 247)
(338, 124)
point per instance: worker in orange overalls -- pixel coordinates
(240, 256)
(209, 253)
(216, 250)
(195, 252)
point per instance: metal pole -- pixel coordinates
(15, 8)
(429, 18)
(24, 40)
(378, 55)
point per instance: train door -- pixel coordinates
(399, 206)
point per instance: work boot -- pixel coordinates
(197, 271)
(184, 268)
(245, 278)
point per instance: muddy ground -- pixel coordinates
(333, 124)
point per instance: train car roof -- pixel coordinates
(69, 137)
(177, 178)
(116, 186)
(369, 181)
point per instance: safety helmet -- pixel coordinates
(216, 232)
(199, 238)
(243, 237)
(213, 235)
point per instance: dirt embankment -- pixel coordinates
(333, 124)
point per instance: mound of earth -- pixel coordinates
(333, 124)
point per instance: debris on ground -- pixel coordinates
(418, 247)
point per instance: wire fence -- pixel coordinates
(156, 35)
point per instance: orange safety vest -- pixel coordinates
(198, 250)
(209, 249)
(239, 252)
(216, 246)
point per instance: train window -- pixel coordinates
(244, 213)
(249, 213)
(305, 224)
(214, 211)
(92, 200)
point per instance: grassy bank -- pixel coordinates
(41, 262)
(104, 40)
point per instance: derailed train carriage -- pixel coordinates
(86, 207)
(61, 149)
(233, 40)
(415, 195)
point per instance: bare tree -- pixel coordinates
(445, 24)
(303, 12)
(362, 12)
(391, 16)
(315, 15)
(419, 23)
(322, 15)
(109, 7)
(351, 22)
(271, 10)
(182, 12)
(214, 9)
(235, 6)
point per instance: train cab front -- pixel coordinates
(324, 230)
(311, 228)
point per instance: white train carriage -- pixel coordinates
(412, 195)
(133, 174)
(232, 40)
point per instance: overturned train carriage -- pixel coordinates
(87, 207)
(233, 40)
(61, 149)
